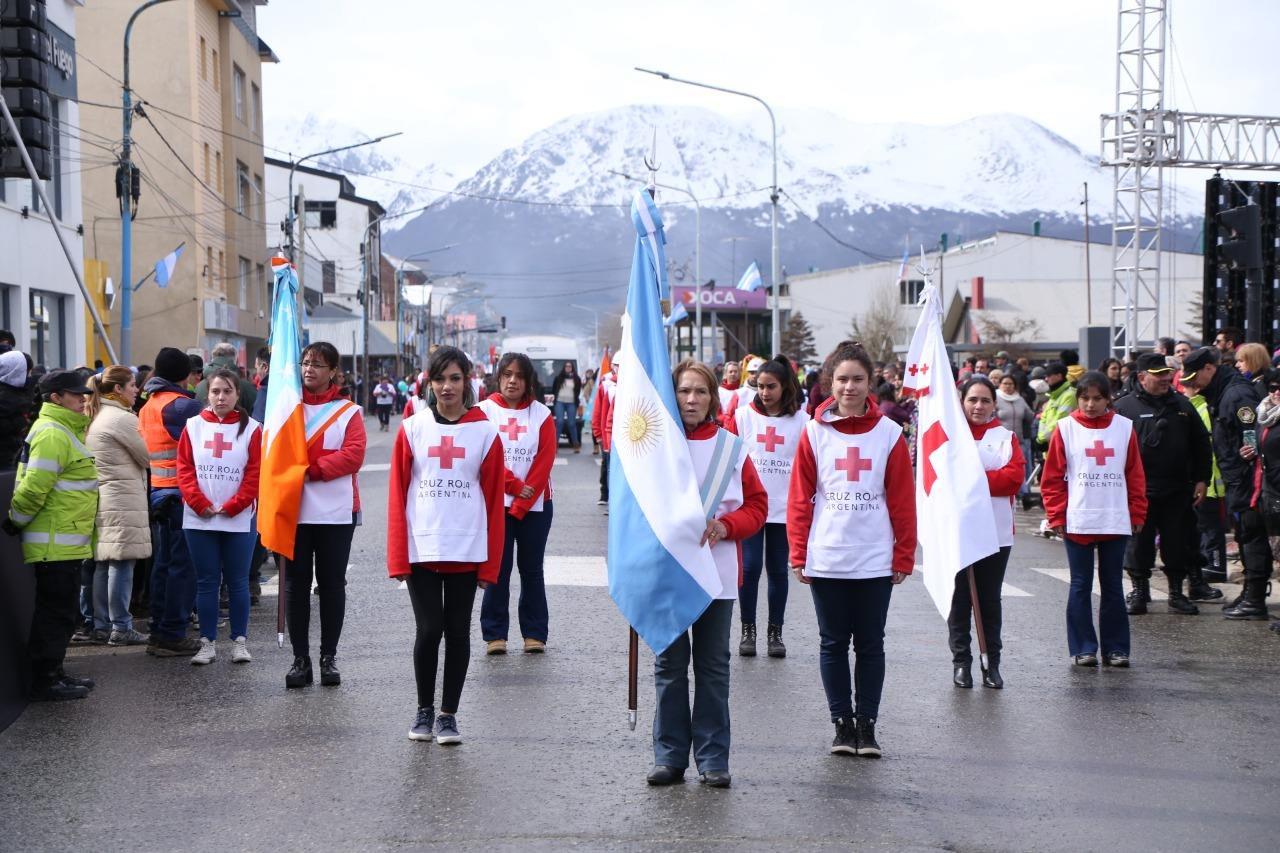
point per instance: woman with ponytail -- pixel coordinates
(123, 524)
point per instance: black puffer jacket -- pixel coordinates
(15, 409)
(1233, 402)
(1174, 444)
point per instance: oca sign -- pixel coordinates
(723, 298)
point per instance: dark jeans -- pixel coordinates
(221, 556)
(1113, 621)
(384, 414)
(173, 575)
(764, 552)
(320, 551)
(604, 475)
(567, 414)
(706, 729)
(1212, 525)
(1255, 550)
(988, 577)
(852, 610)
(441, 609)
(1166, 518)
(54, 619)
(526, 545)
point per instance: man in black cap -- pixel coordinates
(1178, 459)
(1061, 402)
(1233, 404)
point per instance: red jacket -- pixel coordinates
(344, 461)
(745, 521)
(190, 486)
(1053, 484)
(492, 479)
(540, 472)
(1007, 481)
(602, 415)
(899, 489)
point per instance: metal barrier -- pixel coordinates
(17, 601)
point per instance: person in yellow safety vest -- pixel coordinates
(1211, 533)
(173, 576)
(55, 503)
(1061, 402)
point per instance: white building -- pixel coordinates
(1009, 280)
(40, 301)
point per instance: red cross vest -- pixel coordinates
(725, 553)
(328, 501)
(772, 444)
(445, 509)
(728, 399)
(995, 449)
(518, 430)
(1097, 493)
(851, 536)
(417, 404)
(220, 457)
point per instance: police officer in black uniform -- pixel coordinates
(1178, 461)
(1233, 402)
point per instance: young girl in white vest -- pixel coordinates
(851, 521)
(770, 425)
(219, 456)
(417, 400)
(1000, 452)
(445, 532)
(327, 516)
(1095, 496)
(527, 430)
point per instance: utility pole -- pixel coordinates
(1088, 277)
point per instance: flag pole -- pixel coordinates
(633, 674)
(977, 621)
(280, 603)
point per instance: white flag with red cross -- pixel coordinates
(955, 523)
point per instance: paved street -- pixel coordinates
(1175, 754)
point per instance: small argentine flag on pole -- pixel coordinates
(678, 314)
(166, 265)
(751, 279)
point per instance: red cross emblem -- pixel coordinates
(853, 465)
(446, 452)
(933, 438)
(513, 429)
(1100, 453)
(217, 445)
(770, 439)
(918, 368)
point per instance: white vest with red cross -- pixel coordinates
(1097, 493)
(772, 441)
(995, 449)
(445, 506)
(727, 554)
(519, 429)
(220, 454)
(851, 536)
(328, 501)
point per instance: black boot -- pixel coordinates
(1197, 589)
(329, 675)
(1253, 601)
(991, 678)
(747, 648)
(1179, 603)
(1135, 603)
(776, 647)
(300, 674)
(962, 676)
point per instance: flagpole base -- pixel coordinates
(631, 719)
(280, 640)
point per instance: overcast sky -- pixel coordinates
(464, 80)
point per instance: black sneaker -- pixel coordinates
(447, 729)
(186, 647)
(424, 725)
(75, 680)
(866, 734)
(846, 740)
(57, 691)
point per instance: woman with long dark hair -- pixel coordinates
(528, 434)
(770, 425)
(566, 389)
(328, 515)
(445, 532)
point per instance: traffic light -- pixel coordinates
(1241, 230)
(25, 49)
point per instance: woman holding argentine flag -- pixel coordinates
(740, 513)
(851, 522)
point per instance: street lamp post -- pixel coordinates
(595, 317)
(773, 195)
(400, 296)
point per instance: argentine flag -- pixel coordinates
(166, 265)
(659, 576)
(677, 314)
(751, 279)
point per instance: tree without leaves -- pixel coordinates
(879, 327)
(797, 340)
(1008, 334)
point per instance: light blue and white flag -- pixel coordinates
(166, 265)
(659, 576)
(678, 313)
(751, 279)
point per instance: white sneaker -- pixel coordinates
(208, 653)
(240, 651)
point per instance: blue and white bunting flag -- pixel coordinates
(751, 279)
(166, 265)
(678, 313)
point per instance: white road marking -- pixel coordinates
(1064, 575)
(560, 461)
(375, 466)
(576, 571)
(1006, 591)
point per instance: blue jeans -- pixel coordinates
(567, 413)
(764, 552)
(1030, 464)
(526, 544)
(852, 610)
(217, 555)
(1113, 621)
(173, 577)
(706, 730)
(112, 589)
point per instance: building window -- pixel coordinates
(208, 174)
(217, 175)
(246, 281)
(48, 329)
(208, 265)
(237, 90)
(264, 303)
(242, 189)
(217, 72)
(204, 62)
(329, 273)
(321, 214)
(222, 270)
(909, 291)
(260, 201)
(6, 318)
(255, 106)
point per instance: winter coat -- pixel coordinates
(55, 501)
(15, 403)
(124, 531)
(1175, 446)
(1061, 403)
(1015, 415)
(1233, 404)
(248, 394)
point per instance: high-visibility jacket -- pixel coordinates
(55, 501)
(1061, 403)
(1215, 488)
(162, 447)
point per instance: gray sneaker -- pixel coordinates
(127, 638)
(99, 637)
(423, 724)
(186, 647)
(447, 729)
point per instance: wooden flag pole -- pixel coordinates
(977, 621)
(280, 603)
(633, 673)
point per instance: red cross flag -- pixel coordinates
(954, 521)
